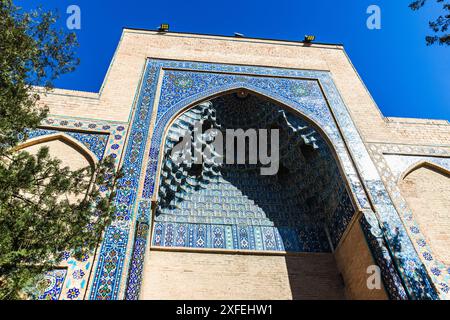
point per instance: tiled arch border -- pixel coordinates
(438, 271)
(118, 261)
(116, 131)
(75, 282)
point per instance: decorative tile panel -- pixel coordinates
(113, 251)
(339, 220)
(260, 238)
(116, 130)
(290, 206)
(139, 250)
(376, 242)
(50, 286)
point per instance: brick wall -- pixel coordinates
(188, 275)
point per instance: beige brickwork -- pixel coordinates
(427, 191)
(353, 257)
(188, 275)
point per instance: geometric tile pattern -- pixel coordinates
(113, 251)
(240, 237)
(339, 219)
(116, 130)
(391, 280)
(139, 250)
(185, 84)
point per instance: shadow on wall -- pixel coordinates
(314, 277)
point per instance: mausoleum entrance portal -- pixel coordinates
(212, 208)
(224, 230)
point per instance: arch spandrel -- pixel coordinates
(92, 143)
(429, 164)
(62, 144)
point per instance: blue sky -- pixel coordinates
(405, 77)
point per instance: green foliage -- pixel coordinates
(439, 25)
(45, 208)
(32, 53)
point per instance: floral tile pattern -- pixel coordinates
(50, 286)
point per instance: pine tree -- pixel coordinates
(439, 25)
(38, 219)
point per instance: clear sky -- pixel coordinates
(405, 77)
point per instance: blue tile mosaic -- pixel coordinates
(112, 255)
(392, 281)
(139, 250)
(50, 286)
(262, 238)
(339, 220)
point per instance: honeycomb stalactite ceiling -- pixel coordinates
(233, 206)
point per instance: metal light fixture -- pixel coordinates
(309, 38)
(163, 27)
